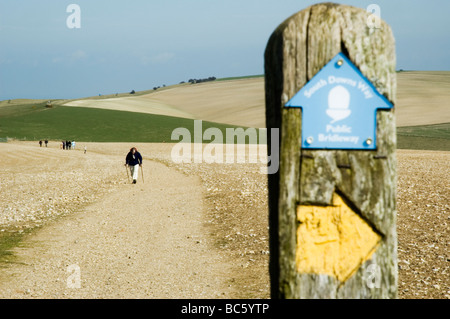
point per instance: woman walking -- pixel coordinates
(134, 161)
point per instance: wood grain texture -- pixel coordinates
(296, 51)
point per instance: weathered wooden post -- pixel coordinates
(333, 201)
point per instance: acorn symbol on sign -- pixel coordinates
(338, 103)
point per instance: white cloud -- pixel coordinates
(146, 59)
(70, 57)
(78, 55)
(163, 57)
(57, 59)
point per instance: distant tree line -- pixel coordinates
(158, 87)
(194, 81)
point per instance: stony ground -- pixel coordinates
(203, 235)
(124, 241)
(423, 224)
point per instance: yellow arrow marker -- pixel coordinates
(333, 240)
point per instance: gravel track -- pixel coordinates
(132, 241)
(190, 231)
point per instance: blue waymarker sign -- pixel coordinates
(339, 108)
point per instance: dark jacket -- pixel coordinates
(133, 159)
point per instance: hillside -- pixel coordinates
(423, 98)
(237, 102)
(423, 119)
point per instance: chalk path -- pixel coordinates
(141, 241)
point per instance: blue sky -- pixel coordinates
(138, 44)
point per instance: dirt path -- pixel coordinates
(215, 242)
(139, 241)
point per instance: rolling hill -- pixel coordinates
(423, 98)
(423, 101)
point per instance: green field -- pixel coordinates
(427, 137)
(33, 121)
(36, 122)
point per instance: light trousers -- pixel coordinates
(134, 171)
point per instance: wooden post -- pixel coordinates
(332, 213)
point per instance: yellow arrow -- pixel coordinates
(333, 240)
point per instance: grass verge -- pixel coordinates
(425, 137)
(8, 241)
